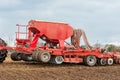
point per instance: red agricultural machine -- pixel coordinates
(54, 48)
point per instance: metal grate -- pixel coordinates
(23, 32)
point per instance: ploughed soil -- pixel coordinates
(19, 70)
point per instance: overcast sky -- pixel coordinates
(99, 18)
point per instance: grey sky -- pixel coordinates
(99, 18)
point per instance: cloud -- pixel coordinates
(6, 5)
(99, 18)
(7, 2)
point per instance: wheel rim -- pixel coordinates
(18, 56)
(27, 57)
(110, 61)
(45, 57)
(30, 57)
(103, 62)
(91, 60)
(59, 59)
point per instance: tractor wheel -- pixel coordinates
(27, 57)
(35, 55)
(56, 60)
(102, 62)
(90, 60)
(110, 61)
(3, 55)
(16, 56)
(44, 56)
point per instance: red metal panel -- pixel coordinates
(73, 60)
(52, 30)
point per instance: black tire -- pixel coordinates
(3, 53)
(16, 56)
(102, 62)
(90, 60)
(44, 56)
(27, 57)
(56, 60)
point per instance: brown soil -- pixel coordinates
(11, 70)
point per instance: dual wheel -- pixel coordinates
(3, 55)
(56, 60)
(104, 62)
(39, 56)
(18, 56)
(45, 57)
(3, 52)
(92, 60)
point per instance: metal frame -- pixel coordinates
(69, 55)
(74, 56)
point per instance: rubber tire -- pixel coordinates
(3, 55)
(89, 62)
(44, 56)
(110, 61)
(35, 55)
(16, 56)
(54, 60)
(3, 43)
(102, 62)
(27, 57)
